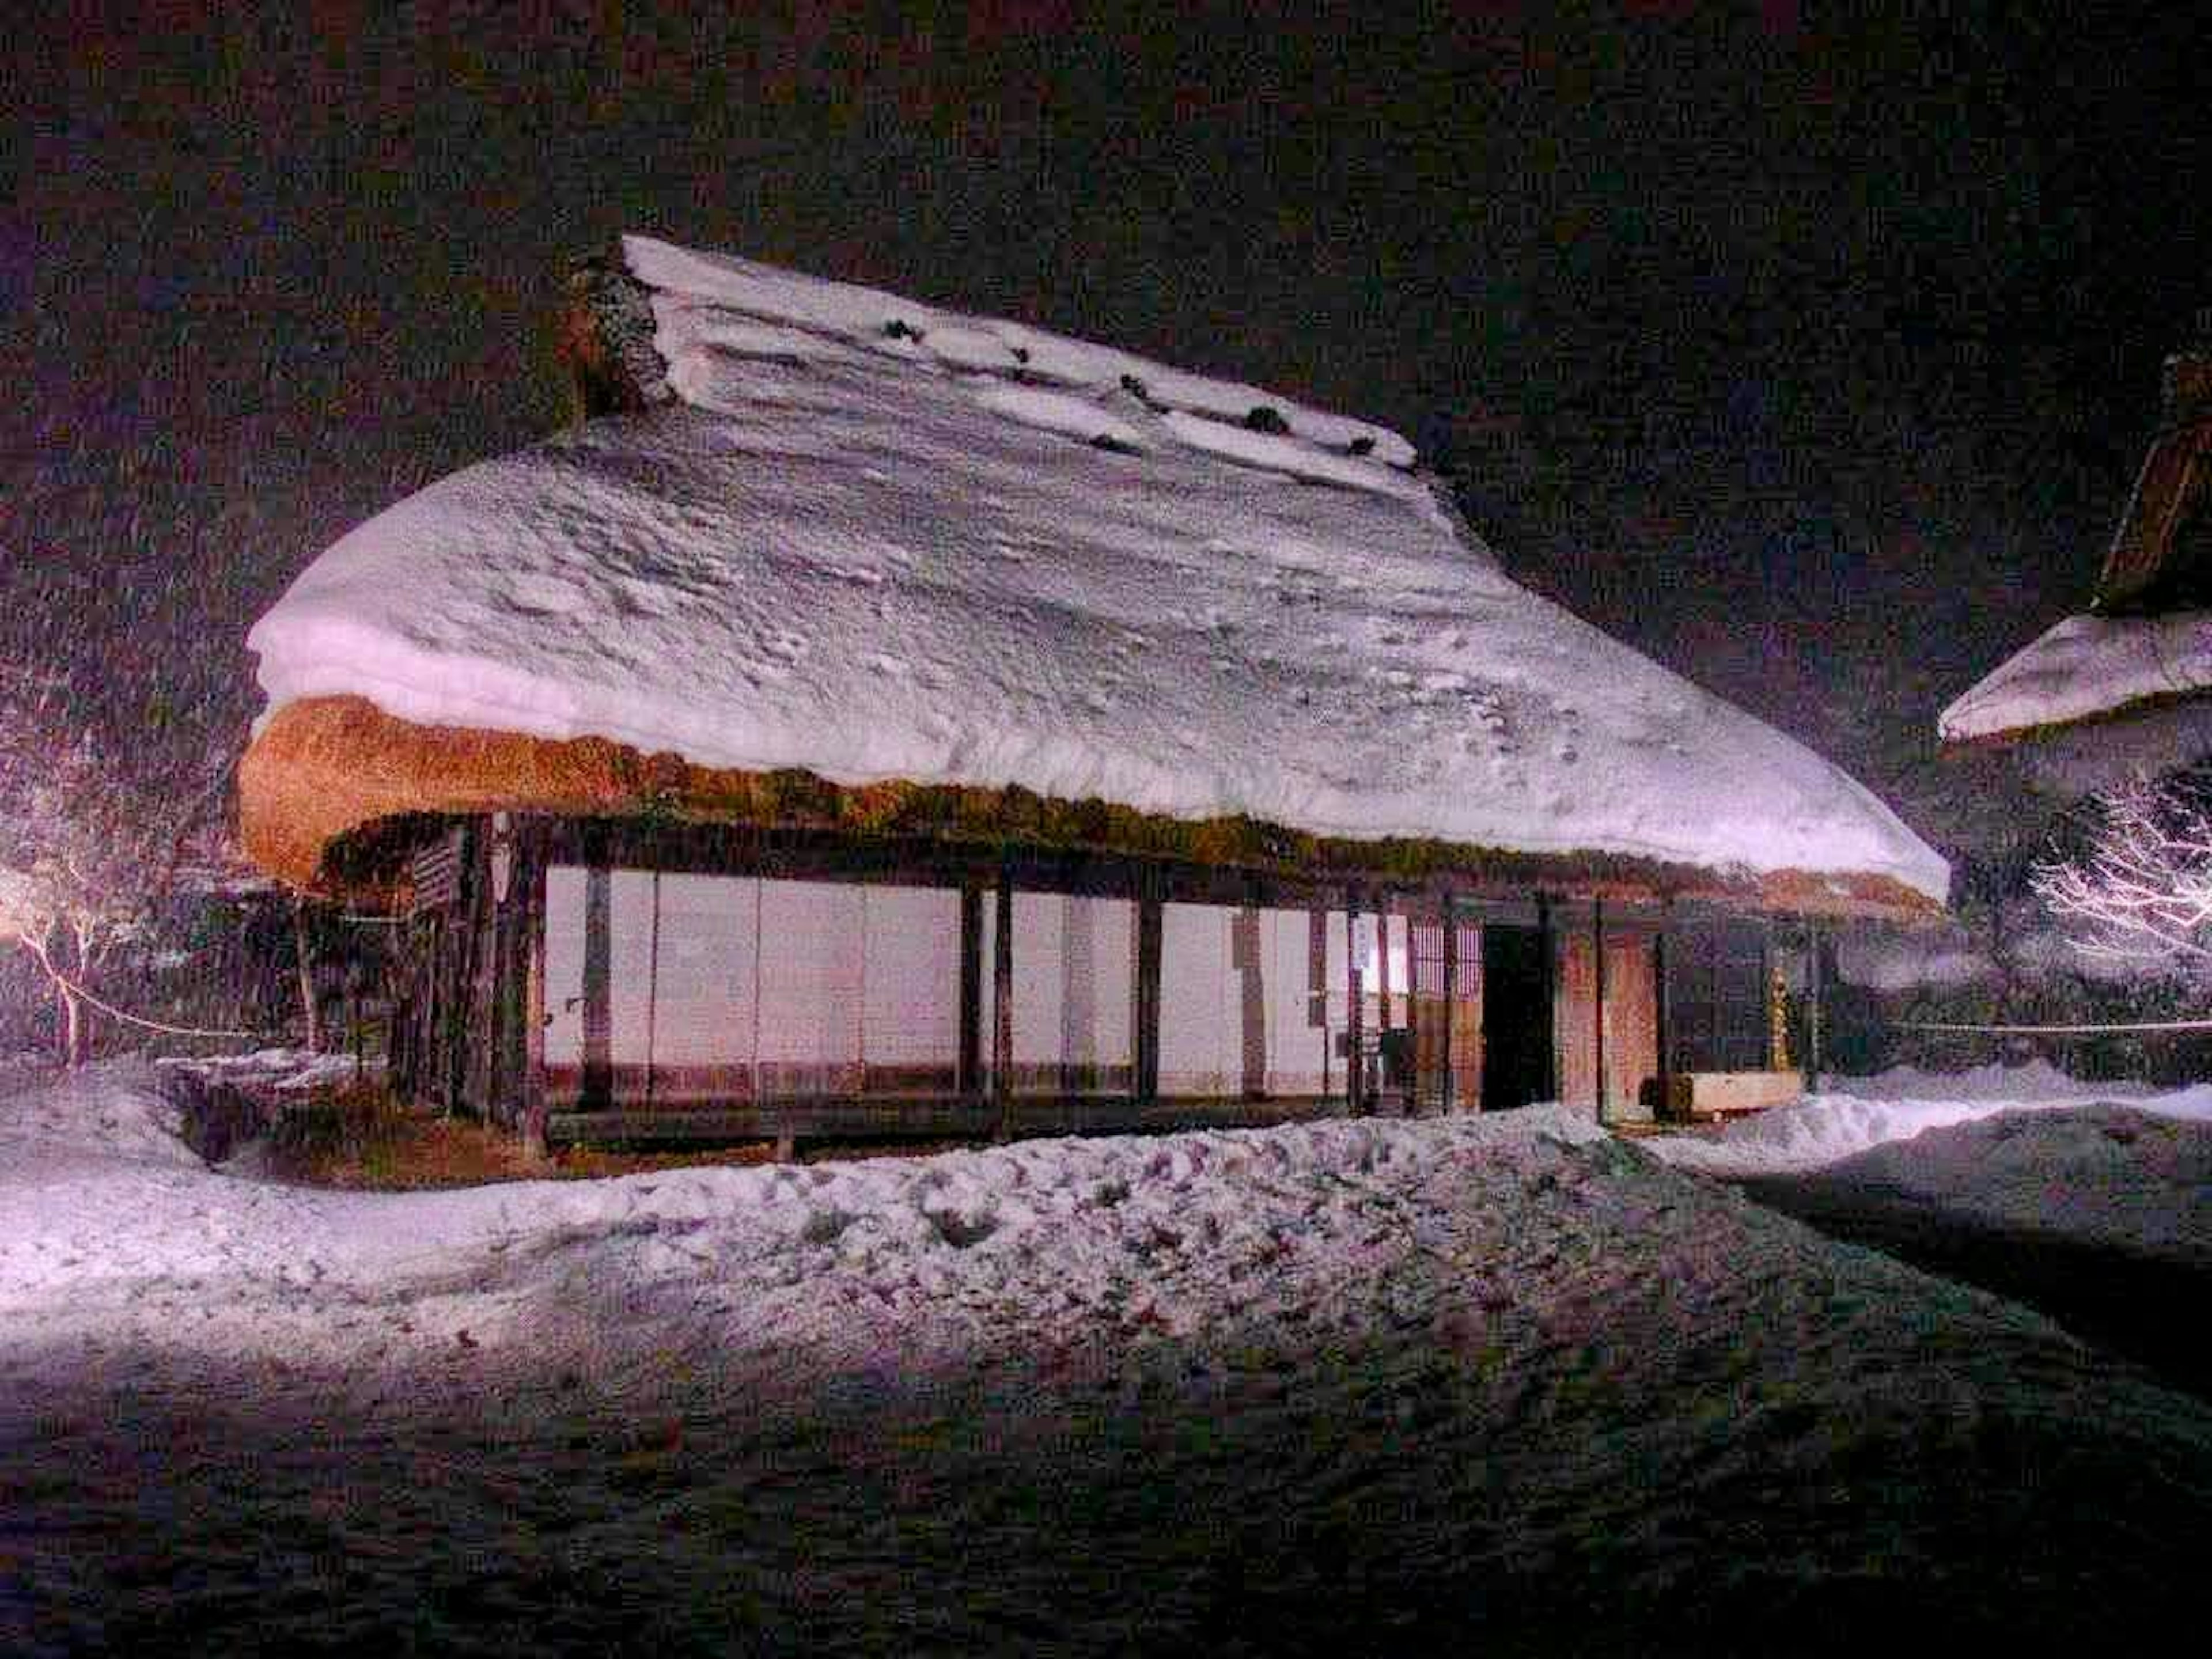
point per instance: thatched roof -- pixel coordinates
(323, 769)
(824, 531)
(2147, 638)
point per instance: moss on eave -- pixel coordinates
(326, 770)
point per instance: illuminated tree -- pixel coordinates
(89, 851)
(2137, 897)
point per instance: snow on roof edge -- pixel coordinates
(2084, 666)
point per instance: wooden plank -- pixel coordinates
(947, 1116)
(1631, 1023)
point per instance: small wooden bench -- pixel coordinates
(1706, 1096)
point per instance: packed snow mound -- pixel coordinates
(112, 1110)
(2087, 665)
(876, 541)
(888, 1230)
(1857, 1113)
(2101, 1174)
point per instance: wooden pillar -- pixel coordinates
(1547, 956)
(1355, 1016)
(1002, 1005)
(1146, 1003)
(653, 995)
(1382, 1010)
(968, 1079)
(1597, 1020)
(1665, 1102)
(1245, 958)
(1451, 1102)
(597, 1091)
(1815, 992)
(533, 1011)
(1766, 991)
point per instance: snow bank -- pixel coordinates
(1337, 1387)
(115, 1111)
(2118, 1177)
(875, 540)
(1856, 1114)
(2087, 665)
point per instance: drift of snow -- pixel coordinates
(1341, 1387)
(1855, 1113)
(2087, 665)
(875, 540)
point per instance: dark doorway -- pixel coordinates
(1516, 1019)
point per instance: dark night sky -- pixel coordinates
(1812, 358)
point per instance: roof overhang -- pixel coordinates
(323, 773)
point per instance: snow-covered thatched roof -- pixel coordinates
(858, 537)
(2085, 667)
(2146, 637)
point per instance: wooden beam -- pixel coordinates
(1002, 1002)
(842, 1117)
(1150, 919)
(969, 1078)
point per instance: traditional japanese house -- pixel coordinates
(2125, 686)
(873, 720)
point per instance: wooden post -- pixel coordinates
(1002, 1005)
(1451, 1002)
(304, 951)
(596, 1093)
(1244, 956)
(1382, 1028)
(533, 1014)
(1597, 1021)
(1665, 1102)
(1355, 1018)
(967, 1081)
(1816, 990)
(1547, 959)
(1150, 918)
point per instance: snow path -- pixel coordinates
(1342, 1386)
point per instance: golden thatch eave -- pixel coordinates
(323, 773)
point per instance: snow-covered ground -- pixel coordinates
(1350, 1387)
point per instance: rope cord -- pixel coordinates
(115, 1012)
(2062, 1031)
